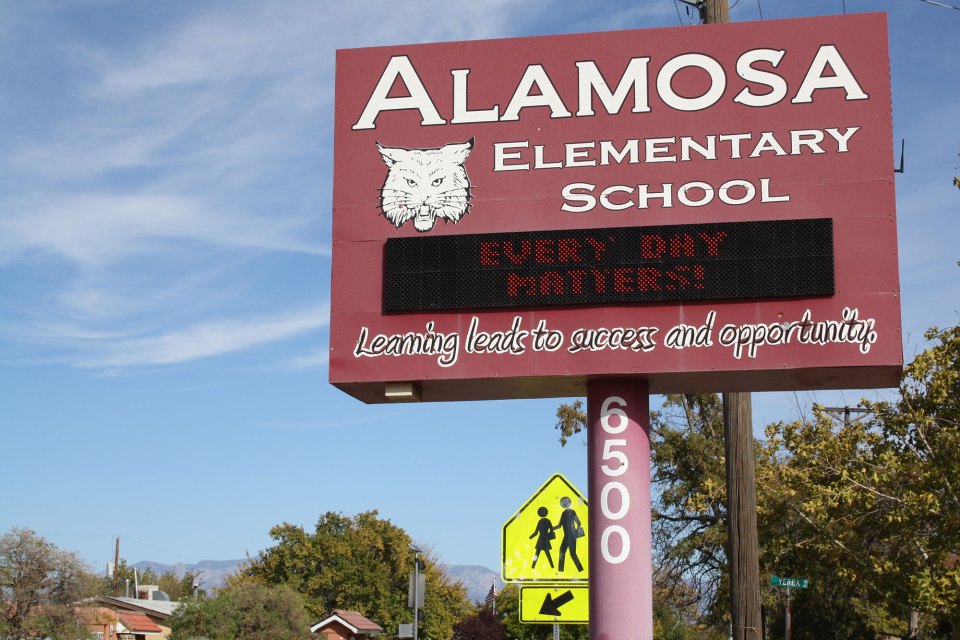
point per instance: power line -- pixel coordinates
(941, 4)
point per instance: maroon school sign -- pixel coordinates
(708, 208)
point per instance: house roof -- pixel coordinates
(159, 608)
(138, 622)
(353, 620)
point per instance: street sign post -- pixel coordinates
(546, 540)
(555, 604)
(789, 583)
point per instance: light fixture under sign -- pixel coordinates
(402, 391)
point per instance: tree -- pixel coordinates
(361, 563)
(868, 510)
(877, 501)
(245, 609)
(924, 426)
(445, 602)
(689, 518)
(483, 624)
(689, 510)
(42, 583)
(176, 587)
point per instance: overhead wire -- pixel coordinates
(941, 4)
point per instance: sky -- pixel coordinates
(165, 203)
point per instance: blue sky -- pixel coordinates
(165, 178)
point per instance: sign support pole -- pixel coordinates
(789, 621)
(618, 472)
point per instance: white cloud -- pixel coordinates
(176, 174)
(97, 228)
(315, 360)
(206, 340)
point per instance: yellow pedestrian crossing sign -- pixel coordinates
(546, 539)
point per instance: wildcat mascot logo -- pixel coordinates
(425, 184)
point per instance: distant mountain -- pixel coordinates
(475, 578)
(212, 573)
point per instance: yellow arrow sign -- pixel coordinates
(555, 604)
(546, 539)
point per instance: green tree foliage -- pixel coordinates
(41, 583)
(245, 609)
(877, 500)
(925, 428)
(445, 602)
(689, 518)
(176, 587)
(811, 526)
(361, 563)
(571, 420)
(868, 511)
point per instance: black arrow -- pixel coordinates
(551, 606)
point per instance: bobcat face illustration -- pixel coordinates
(425, 184)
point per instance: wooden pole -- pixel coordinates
(743, 545)
(714, 11)
(116, 568)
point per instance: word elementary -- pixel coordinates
(760, 85)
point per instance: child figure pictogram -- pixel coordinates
(545, 534)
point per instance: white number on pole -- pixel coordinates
(605, 500)
(613, 407)
(610, 454)
(606, 411)
(624, 544)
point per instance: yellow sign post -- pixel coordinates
(555, 604)
(546, 539)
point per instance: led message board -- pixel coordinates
(710, 208)
(718, 261)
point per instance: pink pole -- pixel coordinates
(618, 468)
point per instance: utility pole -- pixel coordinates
(836, 412)
(714, 11)
(116, 567)
(742, 545)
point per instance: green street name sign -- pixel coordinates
(789, 583)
